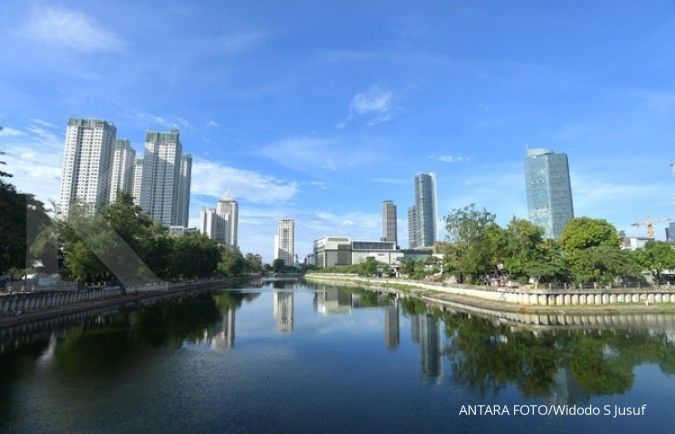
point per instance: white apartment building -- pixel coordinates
(183, 209)
(122, 174)
(215, 226)
(138, 181)
(87, 161)
(160, 194)
(284, 241)
(229, 207)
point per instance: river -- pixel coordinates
(306, 357)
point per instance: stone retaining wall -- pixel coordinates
(12, 304)
(518, 296)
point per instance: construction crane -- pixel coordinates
(649, 223)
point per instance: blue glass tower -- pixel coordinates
(549, 193)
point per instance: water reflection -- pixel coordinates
(392, 329)
(283, 310)
(481, 356)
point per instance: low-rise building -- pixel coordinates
(381, 251)
(333, 251)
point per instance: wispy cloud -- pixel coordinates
(170, 121)
(376, 105)
(213, 124)
(65, 28)
(318, 155)
(453, 158)
(35, 158)
(393, 181)
(9, 132)
(214, 179)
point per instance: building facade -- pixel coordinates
(332, 251)
(284, 241)
(549, 192)
(87, 163)
(389, 229)
(422, 217)
(215, 226)
(229, 207)
(123, 166)
(161, 180)
(138, 181)
(184, 181)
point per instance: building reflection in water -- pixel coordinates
(330, 301)
(567, 390)
(222, 335)
(283, 310)
(391, 326)
(424, 330)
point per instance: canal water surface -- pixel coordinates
(302, 357)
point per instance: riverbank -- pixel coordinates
(127, 300)
(517, 300)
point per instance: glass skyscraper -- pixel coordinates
(549, 193)
(422, 225)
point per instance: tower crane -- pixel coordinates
(649, 224)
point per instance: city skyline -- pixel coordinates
(293, 120)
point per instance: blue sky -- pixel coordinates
(321, 110)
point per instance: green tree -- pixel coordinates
(231, 263)
(477, 243)
(278, 265)
(585, 232)
(656, 256)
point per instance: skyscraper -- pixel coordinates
(549, 193)
(389, 232)
(123, 165)
(424, 215)
(184, 181)
(161, 196)
(284, 241)
(138, 181)
(227, 206)
(87, 161)
(413, 231)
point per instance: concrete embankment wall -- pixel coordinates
(521, 296)
(27, 307)
(11, 304)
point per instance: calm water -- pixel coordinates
(298, 357)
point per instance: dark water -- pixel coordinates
(299, 358)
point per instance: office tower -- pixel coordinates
(283, 310)
(87, 162)
(184, 180)
(425, 209)
(549, 194)
(227, 206)
(389, 232)
(284, 241)
(123, 166)
(215, 226)
(160, 186)
(413, 231)
(138, 181)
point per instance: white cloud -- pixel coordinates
(213, 124)
(214, 179)
(64, 28)
(318, 155)
(35, 158)
(167, 122)
(453, 158)
(9, 132)
(376, 104)
(393, 181)
(42, 123)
